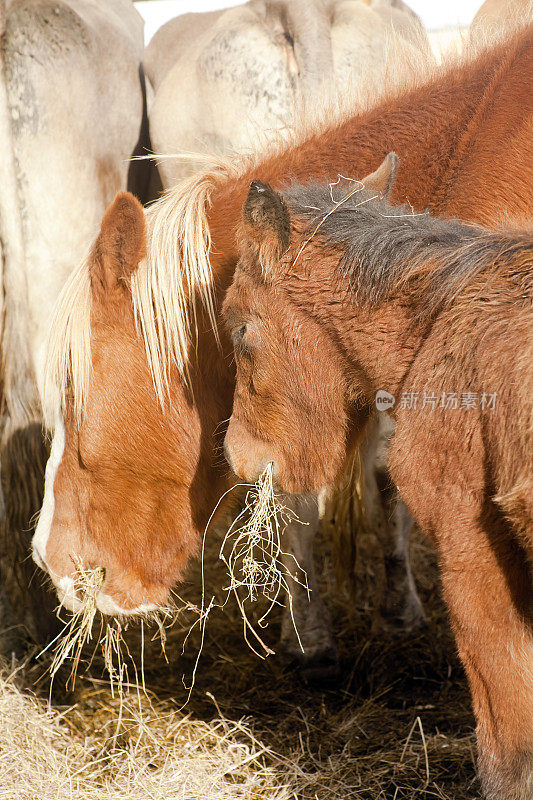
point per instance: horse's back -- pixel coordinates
(253, 70)
(496, 15)
(492, 174)
(172, 40)
(368, 39)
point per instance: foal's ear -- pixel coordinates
(383, 179)
(120, 245)
(267, 221)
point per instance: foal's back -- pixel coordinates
(480, 348)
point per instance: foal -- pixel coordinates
(341, 300)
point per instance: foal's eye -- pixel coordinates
(238, 335)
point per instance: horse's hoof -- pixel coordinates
(321, 666)
(407, 623)
(323, 670)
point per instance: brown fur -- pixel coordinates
(136, 484)
(309, 353)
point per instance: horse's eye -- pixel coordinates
(238, 335)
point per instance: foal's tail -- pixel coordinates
(345, 510)
(15, 361)
(516, 500)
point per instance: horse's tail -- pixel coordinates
(15, 360)
(307, 24)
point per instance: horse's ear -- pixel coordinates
(383, 179)
(120, 245)
(267, 222)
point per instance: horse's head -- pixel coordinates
(289, 406)
(113, 480)
(295, 404)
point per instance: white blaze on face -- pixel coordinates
(42, 532)
(65, 584)
(107, 605)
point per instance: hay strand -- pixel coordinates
(78, 631)
(252, 552)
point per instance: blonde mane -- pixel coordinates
(68, 346)
(165, 288)
(176, 272)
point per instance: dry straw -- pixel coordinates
(165, 756)
(257, 569)
(79, 632)
(256, 562)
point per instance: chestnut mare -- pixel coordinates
(336, 298)
(128, 319)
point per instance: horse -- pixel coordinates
(226, 79)
(340, 298)
(136, 333)
(300, 51)
(71, 106)
(495, 14)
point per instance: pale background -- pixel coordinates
(435, 14)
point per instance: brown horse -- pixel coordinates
(339, 300)
(129, 319)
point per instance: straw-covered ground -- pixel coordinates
(397, 723)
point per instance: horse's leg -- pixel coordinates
(400, 610)
(27, 602)
(306, 626)
(487, 586)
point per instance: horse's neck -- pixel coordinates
(448, 135)
(377, 345)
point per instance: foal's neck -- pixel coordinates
(381, 345)
(377, 345)
(402, 277)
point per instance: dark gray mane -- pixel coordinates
(384, 247)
